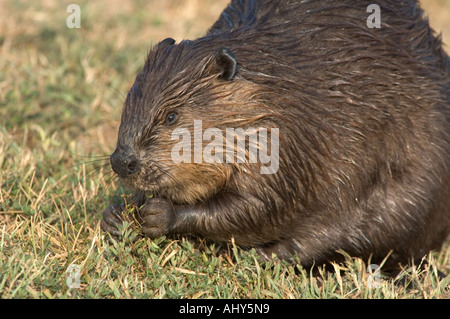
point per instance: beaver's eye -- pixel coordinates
(171, 118)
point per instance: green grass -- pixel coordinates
(61, 92)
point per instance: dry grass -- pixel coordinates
(61, 92)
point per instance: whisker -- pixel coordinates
(167, 173)
(96, 170)
(90, 162)
(116, 91)
(108, 178)
(91, 156)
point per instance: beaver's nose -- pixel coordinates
(123, 164)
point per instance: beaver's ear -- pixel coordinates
(166, 42)
(225, 63)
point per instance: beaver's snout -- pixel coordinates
(124, 163)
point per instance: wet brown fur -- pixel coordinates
(363, 116)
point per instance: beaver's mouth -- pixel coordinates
(148, 185)
(137, 185)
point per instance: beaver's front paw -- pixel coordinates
(156, 217)
(112, 221)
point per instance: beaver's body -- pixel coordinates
(363, 117)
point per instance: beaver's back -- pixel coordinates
(372, 106)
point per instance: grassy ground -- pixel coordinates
(61, 92)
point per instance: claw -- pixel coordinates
(112, 220)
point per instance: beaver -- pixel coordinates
(359, 115)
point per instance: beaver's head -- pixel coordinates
(182, 88)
